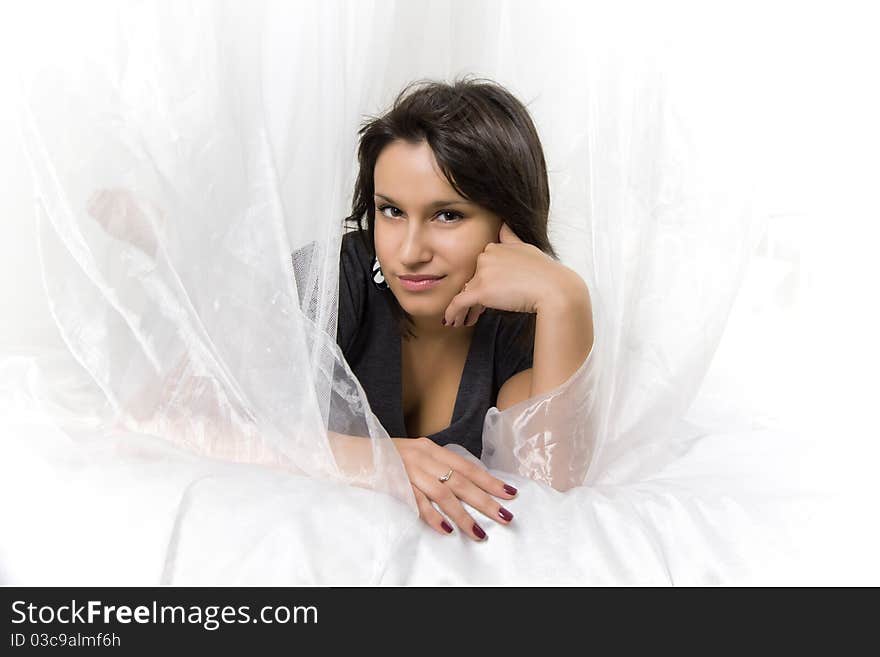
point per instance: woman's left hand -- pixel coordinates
(510, 275)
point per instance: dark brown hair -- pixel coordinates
(486, 145)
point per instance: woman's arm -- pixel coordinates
(563, 340)
(515, 276)
(563, 335)
(556, 445)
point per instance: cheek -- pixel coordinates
(466, 259)
(461, 250)
(385, 242)
(380, 246)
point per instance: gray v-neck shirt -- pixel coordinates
(369, 339)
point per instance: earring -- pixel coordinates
(378, 278)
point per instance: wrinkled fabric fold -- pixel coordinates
(549, 438)
(165, 246)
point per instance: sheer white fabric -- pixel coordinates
(179, 153)
(551, 437)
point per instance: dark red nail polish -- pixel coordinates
(479, 532)
(504, 513)
(446, 527)
(510, 489)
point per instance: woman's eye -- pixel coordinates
(388, 207)
(454, 215)
(450, 216)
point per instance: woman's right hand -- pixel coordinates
(426, 462)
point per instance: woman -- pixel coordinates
(451, 299)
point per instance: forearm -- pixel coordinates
(355, 456)
(563, 334)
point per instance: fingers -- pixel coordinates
(426, 461)
(467, 316)
(443, 497)
(479, 489)
(481, 477)
(430, 515)
(457, 310)
(463, 486)
(465, 489)
(473, 314)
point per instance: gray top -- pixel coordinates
(370, 342)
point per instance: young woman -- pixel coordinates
(451, 299)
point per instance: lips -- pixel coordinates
(416, 279)
(420, 283)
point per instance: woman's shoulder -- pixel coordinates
(354, 257)
(354, 245)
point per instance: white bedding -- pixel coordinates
(86, 506)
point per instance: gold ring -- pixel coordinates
(446, 477)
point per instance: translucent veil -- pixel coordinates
(166, 226)
(181, 152)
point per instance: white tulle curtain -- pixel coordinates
(176, 153)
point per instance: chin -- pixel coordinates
(421, 308)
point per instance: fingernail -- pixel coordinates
(504, 513)
(479, 532)
(444, 321)
(446, 527)
(510, 489)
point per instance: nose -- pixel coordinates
(415, 248)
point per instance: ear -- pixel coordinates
(507, 236)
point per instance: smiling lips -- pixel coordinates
(420, 282)
(420, 277)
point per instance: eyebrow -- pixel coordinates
(435, 204)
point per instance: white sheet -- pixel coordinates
(83, 505)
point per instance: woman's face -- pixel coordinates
(423, 227)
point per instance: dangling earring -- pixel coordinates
(378, 278)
